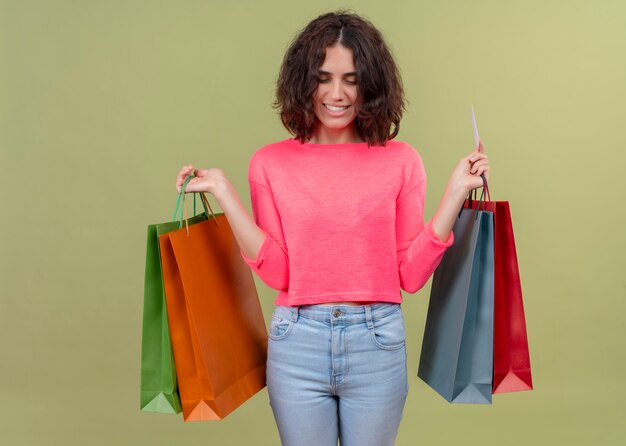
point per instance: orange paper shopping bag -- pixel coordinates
(217, 329)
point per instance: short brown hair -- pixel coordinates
(381, 99)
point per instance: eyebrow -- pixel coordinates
(322, 72)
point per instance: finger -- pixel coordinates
(189, 186)
(182, 176)
(179, 183)
(479, 167)
(481, 164)
(480, 148)
(185, 169)
(485, 174)
(477, 180)
(200, 172)
(481, 170)
(476, 156)
(180, 179)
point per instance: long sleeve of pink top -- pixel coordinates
(342, 222)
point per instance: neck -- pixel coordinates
(324, 135)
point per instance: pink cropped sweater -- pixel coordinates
(342, 222)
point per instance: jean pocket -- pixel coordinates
(280, 325)
(388, 333)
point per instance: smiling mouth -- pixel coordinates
(334, 108)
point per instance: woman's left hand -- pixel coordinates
(465, 177)
(466, 174)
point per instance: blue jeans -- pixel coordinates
(337, 372)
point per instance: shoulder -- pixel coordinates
(272, 150)
(405, 153)
(268, 155)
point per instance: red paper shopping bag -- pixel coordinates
(511, 358)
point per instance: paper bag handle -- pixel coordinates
(183, 209)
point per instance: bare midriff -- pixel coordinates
(352, 304)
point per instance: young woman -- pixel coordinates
(338, 230)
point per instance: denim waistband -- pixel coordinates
(346, 314)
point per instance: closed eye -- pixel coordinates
(324, 77)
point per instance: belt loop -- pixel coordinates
(295, 313)
(368, 316)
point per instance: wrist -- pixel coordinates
(457, 191)
(222, 189)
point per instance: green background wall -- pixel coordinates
(101, 102)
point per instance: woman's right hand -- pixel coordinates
(205, 180)
(249, 236)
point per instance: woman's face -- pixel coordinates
(335, 99)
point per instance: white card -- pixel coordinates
(476, 137)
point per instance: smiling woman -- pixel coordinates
(338, 230)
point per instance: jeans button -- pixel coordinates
(338, 313)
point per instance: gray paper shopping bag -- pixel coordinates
(457, 349)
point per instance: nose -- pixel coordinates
(336, 91)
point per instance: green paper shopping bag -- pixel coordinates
(159, 390)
